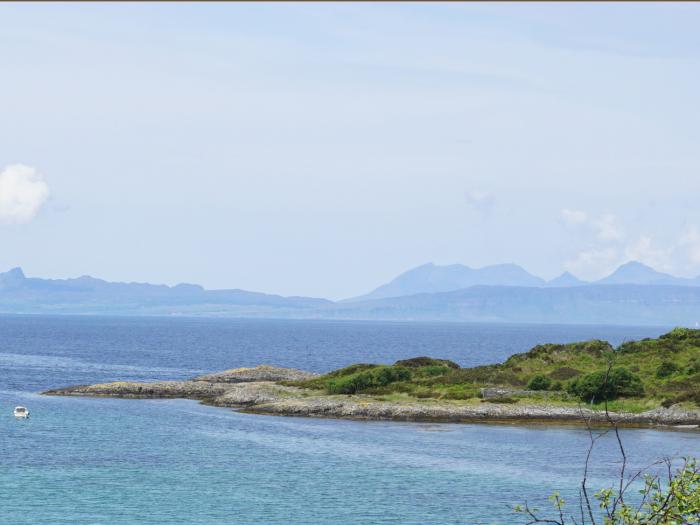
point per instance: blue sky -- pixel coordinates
(320, 149)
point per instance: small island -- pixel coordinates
(647, 382)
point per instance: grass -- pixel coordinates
(652, 373)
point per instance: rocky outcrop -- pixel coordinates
(256, 374)
(249, 394)
(357, 407)
(161, 389)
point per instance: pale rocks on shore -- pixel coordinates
(131, 389)
(358, 407)
(259, 373)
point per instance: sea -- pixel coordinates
(116, 461)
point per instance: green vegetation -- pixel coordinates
(539, 382)
(638, 375)
(379, 376)
(673, 499)
(666, 369)
(607, 385)
(421, 362)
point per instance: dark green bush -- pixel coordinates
(425, 394)
(565, 372)
(601, 386)
(692, 396)
(693, 367)
(666, 369)
(539, 382)
(321, 382)
(432, 371)
(376, 377)
(459, 394)
(504, 399)
(417, 362)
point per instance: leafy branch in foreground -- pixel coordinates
(671, 499)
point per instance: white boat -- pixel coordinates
(22, 412)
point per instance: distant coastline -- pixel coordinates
(633, 295)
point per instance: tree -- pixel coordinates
(607, 385)
(539, 382)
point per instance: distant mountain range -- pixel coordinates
(430, 278)
(638, 273)
(20, 294)
(633, 294)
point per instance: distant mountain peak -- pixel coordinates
(12, 278)
(15, 272)
(636, 266)
(635, 272)
(566, 279)
(432, 278)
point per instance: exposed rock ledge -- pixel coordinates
(259, 373)
(358, 407)
(244, 389)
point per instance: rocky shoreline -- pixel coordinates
(257, 390)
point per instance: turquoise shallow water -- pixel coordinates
(81, 460)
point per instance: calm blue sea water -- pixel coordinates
(113, 461)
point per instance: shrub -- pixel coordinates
(417, 362)
(425, 394)
(666, 369)
(457, 395)
(461, 392)
(503, 399)
(321, 382)
(352, 369)
(602, 386)
(565, 372)
(539, 382)
(680, 333)
(692, 396)
(550, 353)
(376, 377)
(432, 370)
(693, 367)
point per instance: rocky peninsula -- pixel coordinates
(647, 382)
(268, 390)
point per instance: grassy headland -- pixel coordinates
(648, 382)
(634, 377)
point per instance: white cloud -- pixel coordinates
(609, 228)
(574, 216)
(594, 263)
(22, 194)
(643, 250)
(677, 256)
